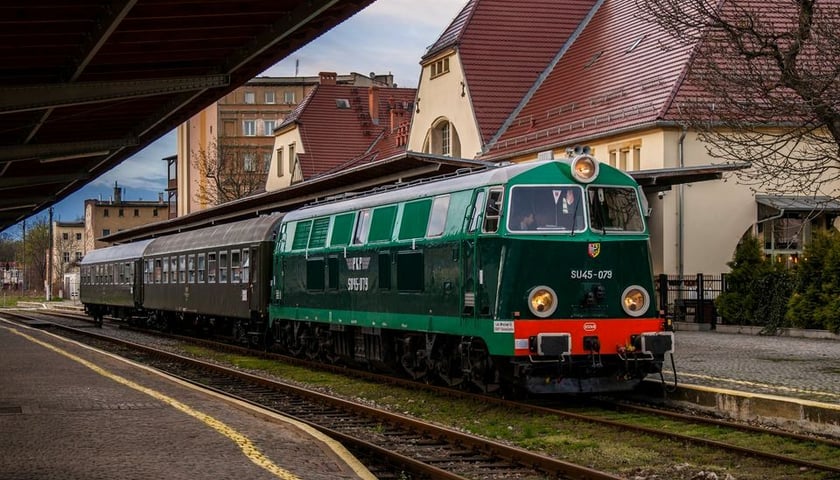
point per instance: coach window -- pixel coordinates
(158, 270)
(382, 224)
(415, 218)
(165, 276)
(342, 229)
(437, 221)
(173, 270)
(182, 269)
(478, 208)
(191, 268)
(147, 271)
(120, 274)
(246, 265)
(235, 267)
(211, 267)
(223, 267)
(360, 235)
(201, 268)
(492, 211)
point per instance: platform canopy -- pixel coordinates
(88, 83)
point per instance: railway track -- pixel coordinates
(670, 434)
(406, 445)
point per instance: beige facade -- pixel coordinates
(68, 248)
(285, 169)
(444, 121)
(694, 227)
(244, 118)
(104, 217)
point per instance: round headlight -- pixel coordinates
(635, 300)
(585, 168)
(542, 301)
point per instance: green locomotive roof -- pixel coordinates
(526, 172)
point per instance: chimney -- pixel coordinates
(117, 194)
(373, 104)
(397, 115)
(160, 197)
(328, 78)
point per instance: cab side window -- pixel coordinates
(492, 211)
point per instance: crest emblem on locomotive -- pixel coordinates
(594, 249)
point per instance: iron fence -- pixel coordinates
(690, 297)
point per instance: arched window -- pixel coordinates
(442, 139)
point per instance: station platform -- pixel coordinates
(788, 381)
(68, 411)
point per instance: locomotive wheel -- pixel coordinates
(413, 358)
(482, 372)
(448, 365)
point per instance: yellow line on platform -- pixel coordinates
(757, 384)
(248, 448)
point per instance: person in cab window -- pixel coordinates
(527, 222)
(572, 212)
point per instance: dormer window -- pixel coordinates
(342, 103)
(440, 67)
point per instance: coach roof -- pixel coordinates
(118, 253)
(246, 231)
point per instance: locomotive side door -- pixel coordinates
(468, 253)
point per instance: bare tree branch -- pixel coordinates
(232, 171)
(763, 85)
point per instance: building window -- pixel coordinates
(269, 97)
(440, 67)
(78, 236)
(136, 212)
(250, 98)
(626, 155)
(266, 162)
(105, 213)
(268, 127)
(65, 236)
(249, 162)
(291, 158)
(289, 97)
(120, 213)
(442, 139)
(78, 256)
(280, 162)
(155, 212)
(106, 232)
(66, 257)
(249, 128)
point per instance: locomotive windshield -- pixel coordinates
(614, 209)
(550, 208)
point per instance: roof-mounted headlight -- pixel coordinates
(585, 168)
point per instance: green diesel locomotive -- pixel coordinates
(533, 276)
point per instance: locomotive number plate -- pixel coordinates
(591, 274)
(357, 284)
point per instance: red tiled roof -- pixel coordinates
(615, 75)
(335, 137)
(505, 46)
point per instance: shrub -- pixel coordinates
(816, 300)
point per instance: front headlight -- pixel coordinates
(542, 301)
(635, 301)
(585, 168)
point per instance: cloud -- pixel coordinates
(145, 170)
(388, 36)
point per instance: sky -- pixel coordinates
(389, 36)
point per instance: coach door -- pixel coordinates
(468, 255)
(251, 268)
(137, 279)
